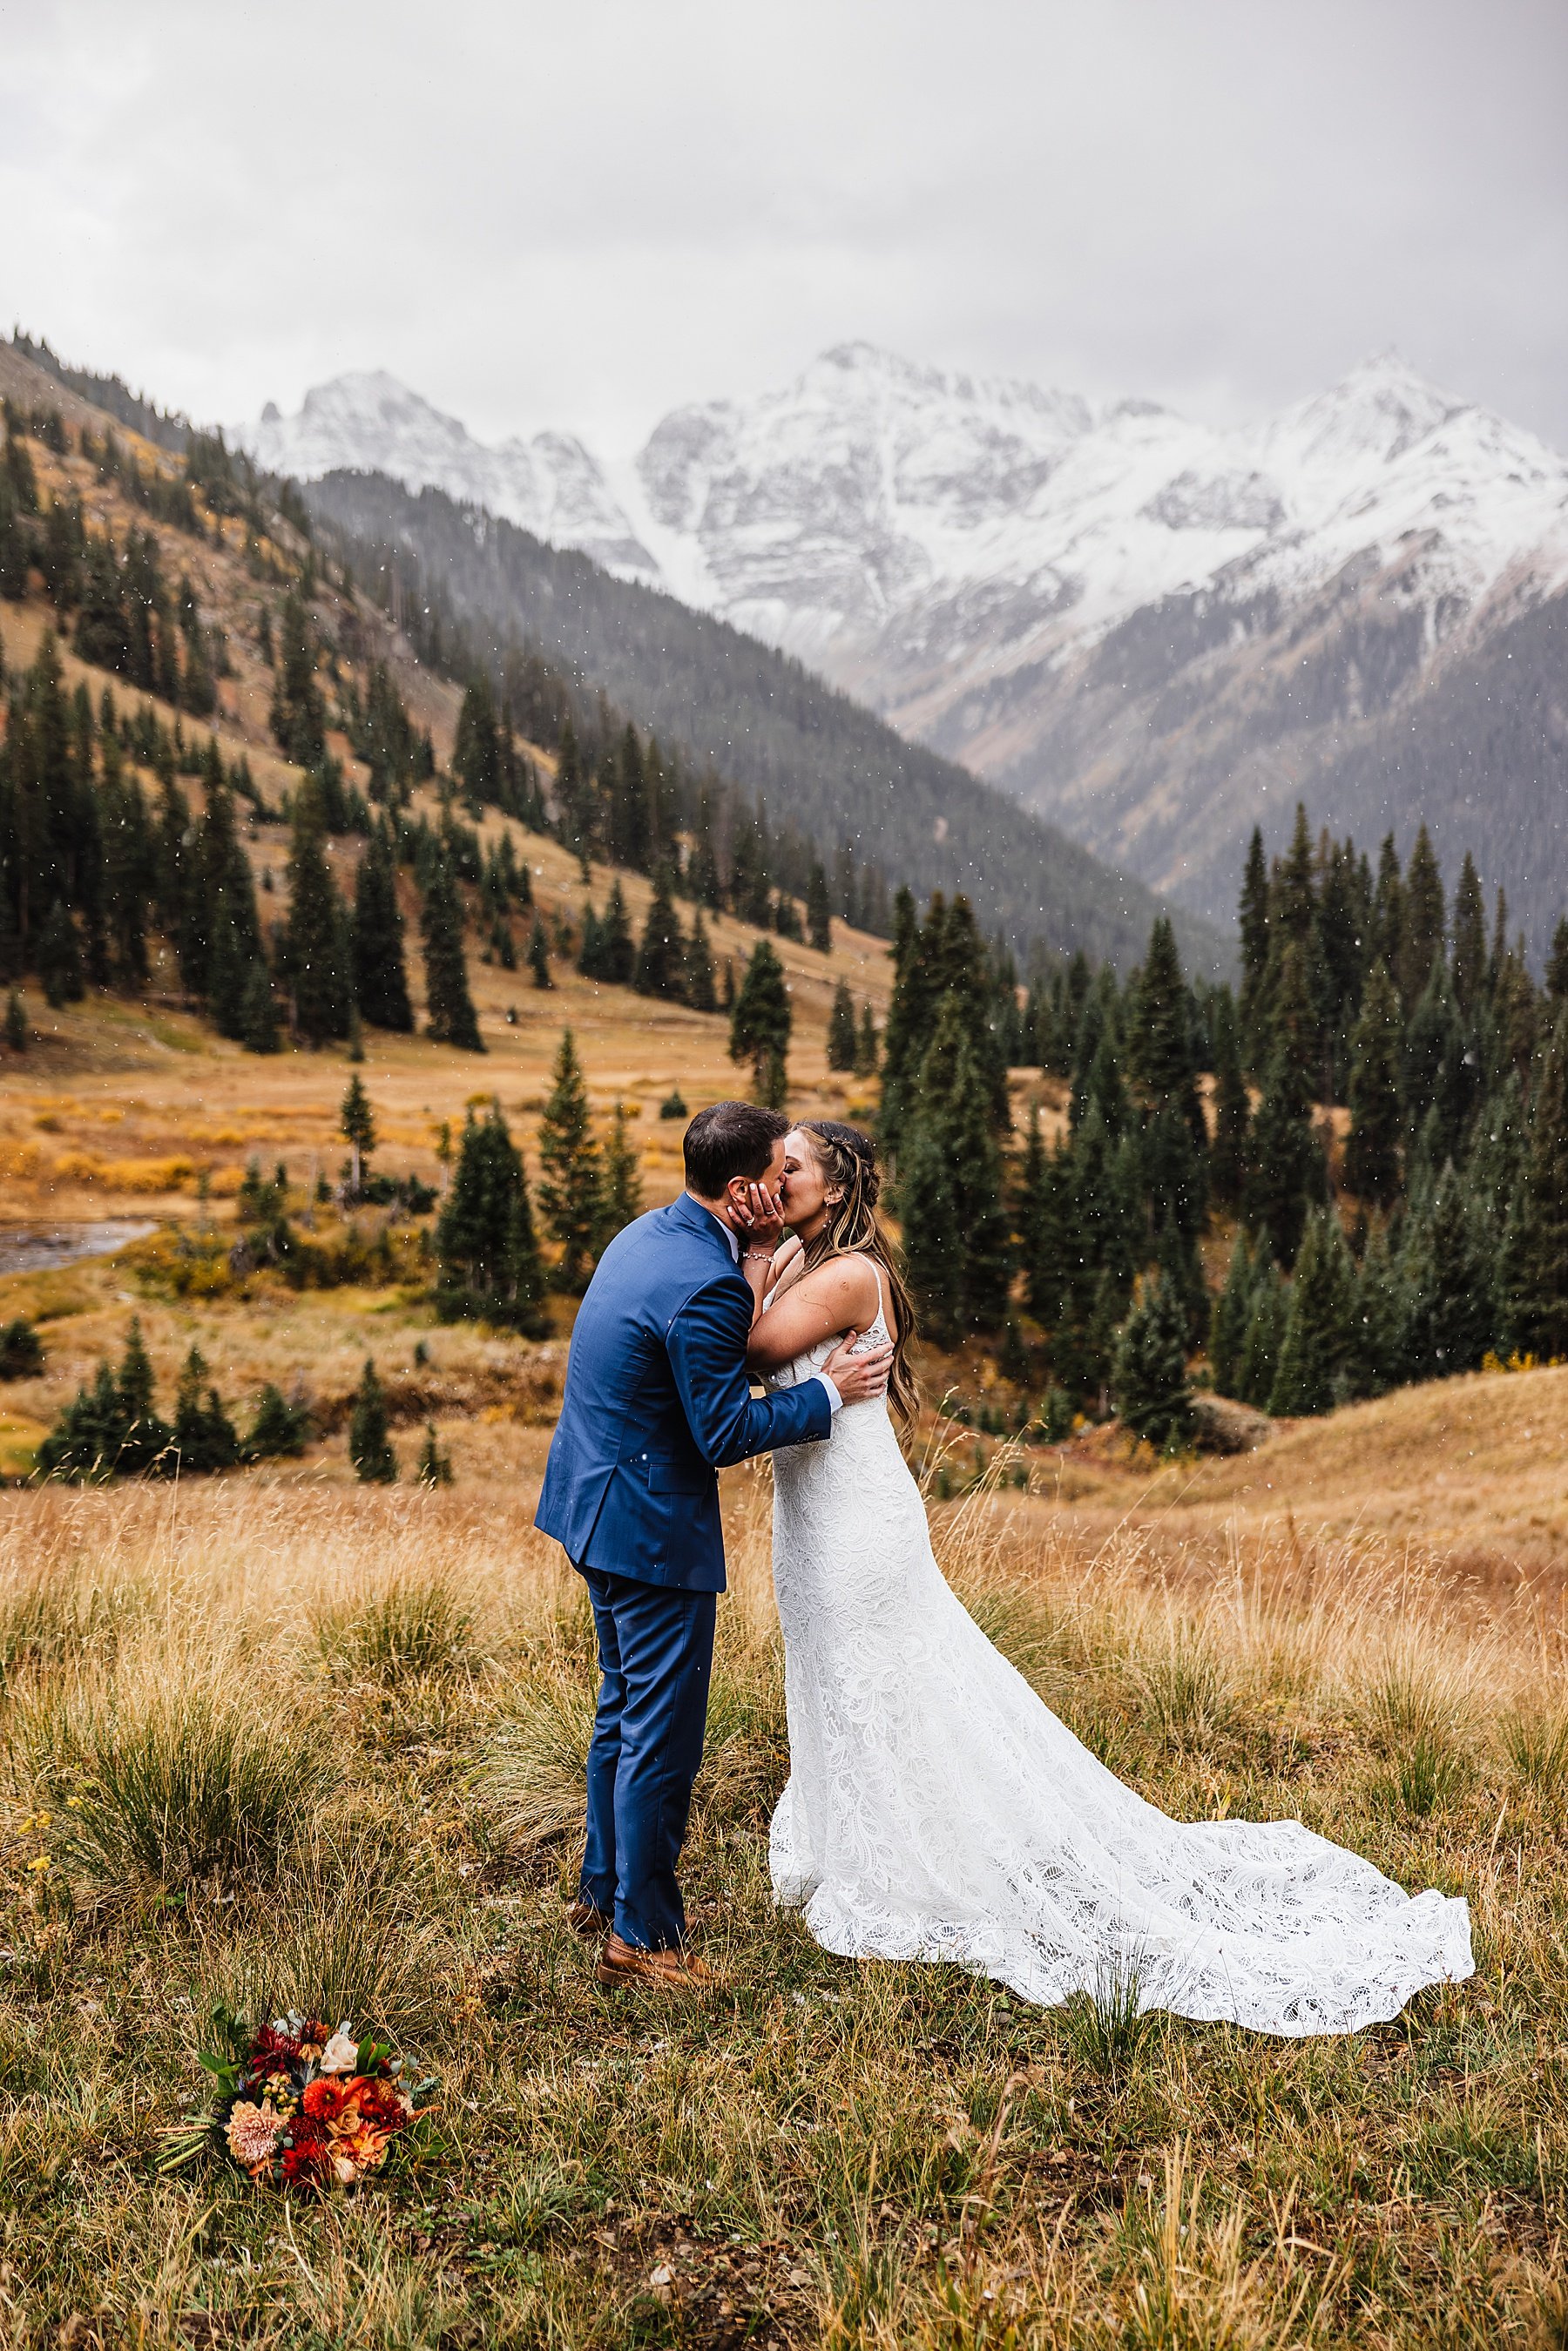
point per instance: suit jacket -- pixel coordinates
(657, 1399)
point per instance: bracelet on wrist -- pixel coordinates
(763, 1255)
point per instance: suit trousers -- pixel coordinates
(655, 1657)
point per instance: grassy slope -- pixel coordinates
(818, 2152)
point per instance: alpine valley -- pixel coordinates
(1152, 632)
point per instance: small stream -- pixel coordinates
(38, 1249)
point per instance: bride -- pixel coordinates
(936, 1807)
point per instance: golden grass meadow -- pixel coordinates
(325, 1742)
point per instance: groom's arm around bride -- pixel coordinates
(657, 1399)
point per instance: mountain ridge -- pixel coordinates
(811, 755)
(1104, 608)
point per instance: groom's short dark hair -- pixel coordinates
(732, 1138)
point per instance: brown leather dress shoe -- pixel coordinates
(586, 1919)
(621, 1962)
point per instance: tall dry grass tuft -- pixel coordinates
(350, 1928)
(408, 1627)
(162, 1778)
(1190, 2285)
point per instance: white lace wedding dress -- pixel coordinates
(937, 1809)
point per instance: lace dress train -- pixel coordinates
(936, 1809)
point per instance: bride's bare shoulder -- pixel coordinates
(851, 1280)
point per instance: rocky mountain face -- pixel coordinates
(1151, 632)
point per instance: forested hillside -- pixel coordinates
(816, 760)
(1376, 1127)
(228, 777)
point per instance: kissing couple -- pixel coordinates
(936, 1808)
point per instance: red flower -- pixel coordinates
(306, 2156)
(379, 2102)
(325, 2099)
(271, 2045)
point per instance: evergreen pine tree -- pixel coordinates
(1377, 1359)
(1557, 963)
(525, 1270)
(1386, 927)
(590, 952)
(1448, 1272)
(621, 1191)
(58, 959)
(1535, 1258)
(1320, 1321)
(843, 1043)
(867, 1044)
(450, 1017)
(932, 1244)
(907, 1029)
(618, 948)
(539, 955)
(1377, 1045)
(953, 1104)
(1232, 1107)
(435, 1466)
(18, 1036)
(357, 1124)
(1255, 944)
(1421, 934)
(298, 716)
(1231, 1312)
(570, 1186)
(1440, 1076)
(204, 1437)
(1160, 1042)
(661, 959)
(1470, 939)
(819, 911)
(1265, 1331)
(760, 1022)
(381, 971)
(1149, 1382)
(1286, 1173)
(577, 799)
(280, 1430)
(487, 1256)
(128, 866)
(699, 988)
(370, 1445)
(476, 748)
(258, 1015)
(318, 981)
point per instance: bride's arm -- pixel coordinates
(840, 1296)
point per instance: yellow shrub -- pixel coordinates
(225, 1182)
(171, 1175)
(77, 1168)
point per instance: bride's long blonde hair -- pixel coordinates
(848, 1161)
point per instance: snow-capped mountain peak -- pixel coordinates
(1120, 613)
(368, 422)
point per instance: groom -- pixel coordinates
(657, 1398)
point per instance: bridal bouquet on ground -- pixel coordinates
(296, 2105)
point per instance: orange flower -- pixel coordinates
(326, 2098)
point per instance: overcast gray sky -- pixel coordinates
(583, 213)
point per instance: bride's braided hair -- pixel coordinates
(848, 1161)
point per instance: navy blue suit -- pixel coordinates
(657, 1399)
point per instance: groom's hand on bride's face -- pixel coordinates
(859, 1378)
